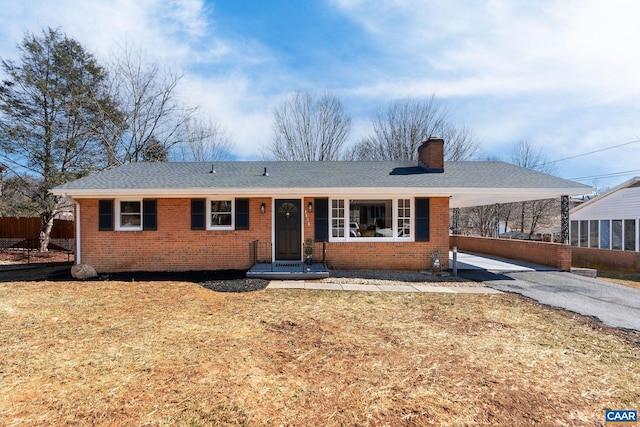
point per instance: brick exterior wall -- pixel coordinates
(604, 259)
(175, 247)
(543, 253)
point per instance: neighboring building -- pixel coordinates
(374, 215)
(610, 220)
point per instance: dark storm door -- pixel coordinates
(288, 230)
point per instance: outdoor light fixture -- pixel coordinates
(310, 207)
(262, 207)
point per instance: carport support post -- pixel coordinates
(564, 219)
(456, 221)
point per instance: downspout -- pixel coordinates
(77, 232)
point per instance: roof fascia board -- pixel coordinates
(249, 192)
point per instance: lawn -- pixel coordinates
(175, 353)
(630, 279)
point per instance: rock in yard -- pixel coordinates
(83, 271)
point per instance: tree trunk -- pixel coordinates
(45, 230)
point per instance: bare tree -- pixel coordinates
(309, 129)
(541, 211)
(206, 142)
(479, 220)
(49, 103)
(507, 212)
(14, 202)
(460, 143)
(401, 126)
(148, 120)
(527, 155)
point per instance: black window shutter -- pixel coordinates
(321, 220)
(105, 215)
(149, 214)
(198, 213)
(422, 220)
(242, 214)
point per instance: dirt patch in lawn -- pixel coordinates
(176, 353)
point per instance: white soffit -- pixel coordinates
(458, 197)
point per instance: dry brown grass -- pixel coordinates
(624, 278)
(168, 353)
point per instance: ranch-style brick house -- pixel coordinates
(369, 215)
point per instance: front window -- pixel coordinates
(372, 217)
(220, 214)
(360, 219)
(337, 218)
(130, 215)
(404, 218)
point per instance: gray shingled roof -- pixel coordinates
(248, 176)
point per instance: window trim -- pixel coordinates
(394, 220)
(211, 227)
(118, 206)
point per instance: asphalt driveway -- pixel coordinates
(613, 305)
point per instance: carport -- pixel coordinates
(478, 262)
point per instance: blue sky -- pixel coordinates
(562, 74)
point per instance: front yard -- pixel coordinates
(175, 353)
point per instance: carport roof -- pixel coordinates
(466, 183)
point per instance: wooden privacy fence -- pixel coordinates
(29, 228)
(24, 234)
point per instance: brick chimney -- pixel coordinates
(431, 155)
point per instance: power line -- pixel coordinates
(590, 152)
(608, 175)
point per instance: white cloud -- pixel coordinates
(176, 34)
(163, 29)
(561, 73)
(470, 48)
(246, 115)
